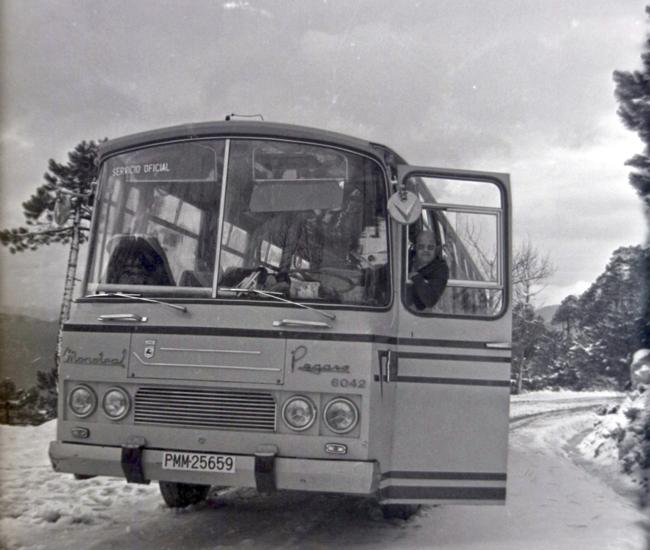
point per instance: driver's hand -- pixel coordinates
(280, 287)
(274, 285)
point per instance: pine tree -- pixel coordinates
(528, 331)
(530, 269)
(59, 211)
(633, 94)
(567, 315)
(604, 326)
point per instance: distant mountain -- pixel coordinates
(547, 313)
(27, 345)
(44, 313)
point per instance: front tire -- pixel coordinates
(399, 511)
(180, 495)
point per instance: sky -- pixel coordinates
(516, 86)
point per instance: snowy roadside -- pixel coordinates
(40, 509)
(529, 404)
(617, 448)
(603, 444)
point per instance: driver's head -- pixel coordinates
(425, 247)
(133, 273)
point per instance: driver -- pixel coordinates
(429, 272)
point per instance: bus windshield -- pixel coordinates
(304, 221)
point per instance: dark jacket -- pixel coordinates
(429, 283)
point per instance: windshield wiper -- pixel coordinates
(136, 297)
(275, 296)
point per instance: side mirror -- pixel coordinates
(404, 207)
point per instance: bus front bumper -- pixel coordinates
(264, 471)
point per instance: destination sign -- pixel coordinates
(173, 163)
(151, 168)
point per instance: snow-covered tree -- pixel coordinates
(528, 330)
(530, 268)
(567, 315)
(605, 326)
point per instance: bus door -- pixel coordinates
(451, 372)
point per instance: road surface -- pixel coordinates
(553, 503)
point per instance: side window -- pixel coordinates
(455, 255)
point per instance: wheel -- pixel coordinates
(399, 511)
(180, 495)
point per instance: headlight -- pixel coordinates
(116, 403)
(341, 415)
(82, 401)
(299, 413)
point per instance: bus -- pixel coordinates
(245, 321)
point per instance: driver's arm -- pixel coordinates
(427, 288)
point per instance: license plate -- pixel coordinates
(198, 462)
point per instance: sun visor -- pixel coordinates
(296, 195)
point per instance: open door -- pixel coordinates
(451, 372)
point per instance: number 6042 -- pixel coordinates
(348, 383)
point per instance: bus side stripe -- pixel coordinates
(453, 357)
(449, 493)
(474, 476)
(449, 381)
(219, 331)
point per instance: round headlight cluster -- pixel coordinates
(116, 403)
(341, 415)
(299, 413)
(82, 401)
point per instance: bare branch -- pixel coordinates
(530, 268)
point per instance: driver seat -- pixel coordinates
(141, 254)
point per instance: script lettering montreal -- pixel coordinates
(71, 356)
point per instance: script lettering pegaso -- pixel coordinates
(72, 357)
(300, 353)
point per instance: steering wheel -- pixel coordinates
(350, 284)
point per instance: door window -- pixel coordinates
(454, 261)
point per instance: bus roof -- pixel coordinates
(239, 128)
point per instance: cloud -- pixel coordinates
(514, 86)
(554, 294)
(245, 6)
(16, 139)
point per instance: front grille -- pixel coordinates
(205, 408)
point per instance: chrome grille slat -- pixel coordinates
(243, 427)
(194, 424)
(205, 408)
(198, 391)
(206, 403)
(216, 415)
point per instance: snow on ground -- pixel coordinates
(619, 443)
(552, 503)
(528, 404)
(32, 495)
